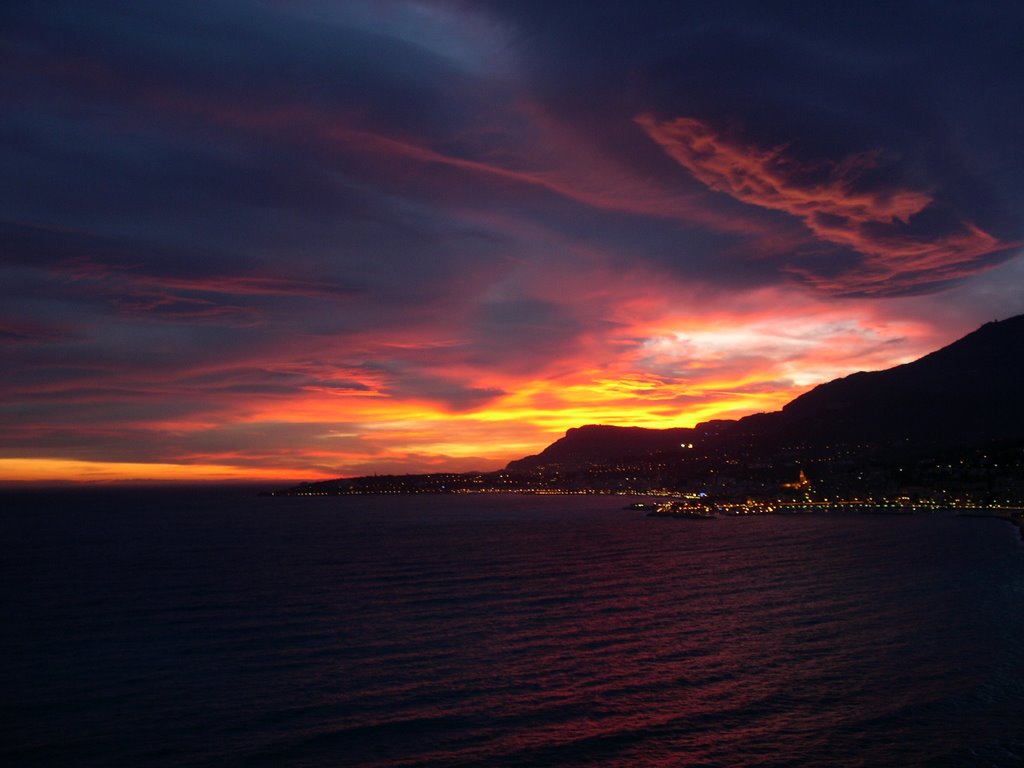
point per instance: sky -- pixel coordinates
(301, 239)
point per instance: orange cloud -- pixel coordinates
(665, 362)
(649, 351)
(874, 223)
(642, 349)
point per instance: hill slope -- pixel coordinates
(969, 392)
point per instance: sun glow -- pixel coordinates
(659, 372)
(47, 470)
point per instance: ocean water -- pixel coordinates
(195, 627)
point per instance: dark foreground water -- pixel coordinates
(215, 628)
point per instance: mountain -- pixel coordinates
(602, 444)
(967, 393)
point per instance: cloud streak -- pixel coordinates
(831, 201)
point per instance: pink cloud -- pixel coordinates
(835, 209)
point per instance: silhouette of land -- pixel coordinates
(945, 430)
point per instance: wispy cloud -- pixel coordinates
(834, 203)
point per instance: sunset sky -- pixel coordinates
(297, 239)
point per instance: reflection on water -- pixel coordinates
(214, 627)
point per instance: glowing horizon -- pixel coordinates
(730, 371)
(309, 242)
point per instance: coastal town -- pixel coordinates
(945, 432)
(689, 483)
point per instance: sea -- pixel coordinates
(214, 627)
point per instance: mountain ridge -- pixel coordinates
(948, 426)
(963, 392)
